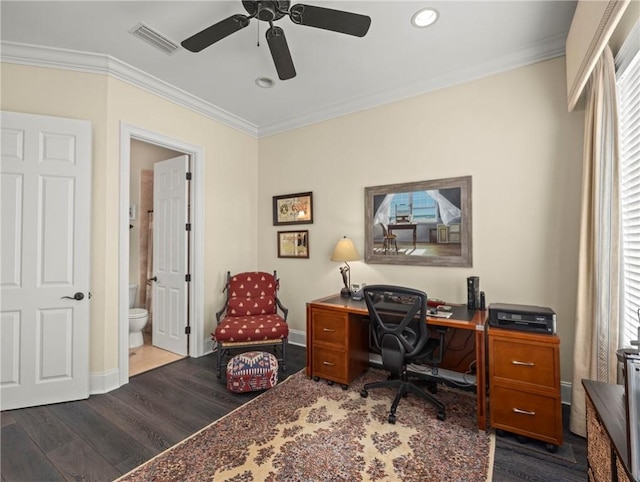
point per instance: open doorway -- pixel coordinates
(144, 352)
(133, 211)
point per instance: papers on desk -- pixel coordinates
(440, 314)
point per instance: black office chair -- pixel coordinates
(401, 335)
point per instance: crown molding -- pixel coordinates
(39, 56)
(550, 48)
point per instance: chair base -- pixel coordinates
(403, 386)
(224, 349)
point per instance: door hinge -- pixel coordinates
(188, 176)
(187, 277)
(187, 330)
(188, 227)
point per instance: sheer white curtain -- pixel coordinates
(383, 213)
(448, 212)
(596, 334)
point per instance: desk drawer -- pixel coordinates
(330, 327)
(526, 413)
(523, 362)
(330, 365)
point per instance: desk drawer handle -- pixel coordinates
(328, 330)
(523, 412)
(523, 364)
(329, 364)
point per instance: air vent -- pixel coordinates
(154, 38)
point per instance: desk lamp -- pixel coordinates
(343, 252)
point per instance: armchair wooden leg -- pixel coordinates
(219, 358)
(284, 355)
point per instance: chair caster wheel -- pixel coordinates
(330, 382)
(551, 448)
(522, 439)
(392, 418)
(441, 416)
(344, 387)
(316, 379)
(364, 393)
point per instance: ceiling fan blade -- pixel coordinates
(329, 19)
(280, 53)
(216, 32)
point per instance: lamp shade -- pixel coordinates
(345, 251)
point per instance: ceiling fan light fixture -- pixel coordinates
(424, 17)
(264, 82)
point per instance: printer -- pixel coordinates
(537, 319)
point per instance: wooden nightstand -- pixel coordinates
(524, 385)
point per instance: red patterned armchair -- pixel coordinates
(250, 316)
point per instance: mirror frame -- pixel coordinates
(464, 260)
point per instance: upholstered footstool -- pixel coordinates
(254, 370)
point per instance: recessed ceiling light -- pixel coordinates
(264, 82)
(424, 17)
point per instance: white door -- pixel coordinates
(170, 262)
(44, 251)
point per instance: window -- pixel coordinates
(417, 207)
(628, 84)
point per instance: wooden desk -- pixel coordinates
(338, 342)
(412, 226)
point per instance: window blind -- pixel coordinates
(628, 83)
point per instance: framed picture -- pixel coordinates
(424, 223)
(293, 209)
(293, 244)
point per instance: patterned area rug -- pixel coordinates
(303, 430)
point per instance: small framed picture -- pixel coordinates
(293, 209)
(293, 244)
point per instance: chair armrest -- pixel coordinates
(284, 310)
(221, 312)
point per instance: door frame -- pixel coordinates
(196, 243)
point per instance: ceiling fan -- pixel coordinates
(271, 11)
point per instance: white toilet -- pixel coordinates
(138, 318)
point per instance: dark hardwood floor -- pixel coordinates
(107, 435)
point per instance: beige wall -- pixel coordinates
(628, 20)
(511, 132)
(230, 196)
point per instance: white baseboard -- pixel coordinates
(565, 392)
(297, 337)
(104, 382)
(107, 381)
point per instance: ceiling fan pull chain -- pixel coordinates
(258, 36)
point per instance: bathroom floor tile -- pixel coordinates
(147, 357)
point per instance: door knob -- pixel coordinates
(78, 296)
(155, 278)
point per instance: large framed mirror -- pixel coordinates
(424, 223)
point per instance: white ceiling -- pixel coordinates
(336, 73)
